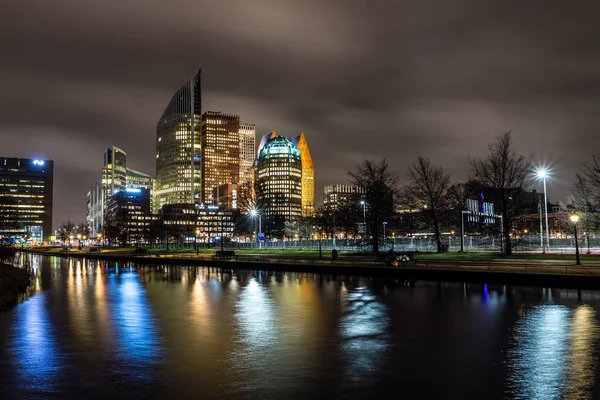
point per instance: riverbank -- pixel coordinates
(14, 283)
(523, 272)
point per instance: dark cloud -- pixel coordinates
(362, 79)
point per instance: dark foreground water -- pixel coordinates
(101, 330)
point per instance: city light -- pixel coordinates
(543, 173)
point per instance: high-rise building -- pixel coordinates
(336, 196)
(128, 214)
(220, 152)
(247, 155)
(26, 189)
(178, 148)
(226, 196)
(279, 177)
(115, 178)
(308, 177)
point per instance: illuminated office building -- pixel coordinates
(247, 152)
(226, 196)
(336, 196)
(178, 144)
(308, 177)
(26, 188)
(279, 177)
(129, 209)
(115, 177)
(220, 152)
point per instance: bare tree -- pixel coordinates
(507, 175)
(426, 192)
(380, 185)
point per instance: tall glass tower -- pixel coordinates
(178, 148)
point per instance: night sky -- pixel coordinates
(362, 79)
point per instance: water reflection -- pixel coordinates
(34, 348)
(582, 358)
(133, 321)
(363, 332)
(553, 355)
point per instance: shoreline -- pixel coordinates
(14, 283)
(518, 273)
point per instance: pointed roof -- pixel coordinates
(300, 141)
(180, 102)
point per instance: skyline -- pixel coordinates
(336, 72)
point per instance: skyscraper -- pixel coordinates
(279, 178)
(220, 152)
(115, 178)
(247, 149)
(26, 188)
(178, 166)
(308, 177)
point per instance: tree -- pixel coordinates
(508, 175)
(426, 192)
(379, 186)
(66, 230)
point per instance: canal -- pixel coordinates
(97, 329)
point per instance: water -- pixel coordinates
(95, 329)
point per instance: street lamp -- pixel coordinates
(575, 219)
(196, 241)
(364, 204)
(384, 224)
(542, 173)
(99, 236)
(255, 213)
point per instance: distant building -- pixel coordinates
(115, 178)
(178, 148)
(335, 196)
(187, 223)
(279, 177)
(128, 211)
(220, 152)
(26, 190)
(247, 155)
(308, 176)
(226, 196)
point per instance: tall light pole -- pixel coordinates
(384, 224)
(364, 204)
(255, 213)
(543, 174)
(575, 219)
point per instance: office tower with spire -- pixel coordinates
(308, 176)
(178, 148)
(220, 152)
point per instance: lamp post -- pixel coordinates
(543, 174)
(255, 213)
(99, 236)
(575, 219)
(384, 224)
(462, 229)
(196, 241)
(364, 204)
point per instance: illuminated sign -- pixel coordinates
(38, 162)
(213, 207)
(133, 190)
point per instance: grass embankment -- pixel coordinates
(13, 283)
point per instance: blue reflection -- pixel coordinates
(541, 341)
(136, 331)
(34, 347)
(363, 330)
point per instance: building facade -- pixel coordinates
(220, 152)
(308, 177)
(279, 178)
(226, 196)
(247, 153)
(187, 223)
(336, 196)
(128, 215)
(26, 191)
(115, 177)
(178, 148)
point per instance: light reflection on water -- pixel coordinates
(97, 330)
